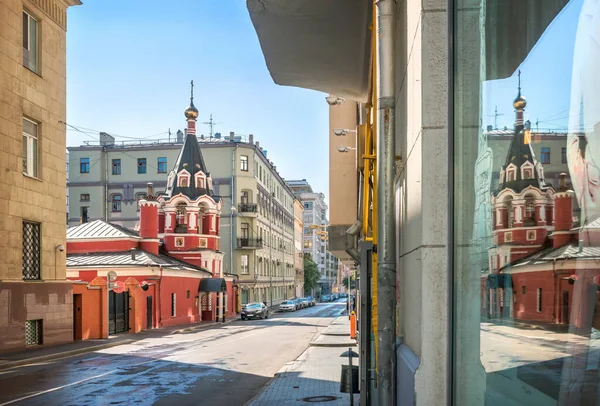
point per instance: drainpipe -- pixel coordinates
(386, 244)
(105, 153)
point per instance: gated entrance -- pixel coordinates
(118, 312)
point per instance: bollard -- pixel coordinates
(352, 325)
(351, 377)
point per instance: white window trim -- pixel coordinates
(511, 169)
(527, 235)
(183, 174)
(508, 236)
(31, 154)
(527, 165)
(200, 180)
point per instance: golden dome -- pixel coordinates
(191, 112)
(520, 102)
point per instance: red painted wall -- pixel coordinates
(525, 305)
(82, 247)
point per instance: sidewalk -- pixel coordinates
(315, 374)
(18, 358)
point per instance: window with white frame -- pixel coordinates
(244, 264)
(30, 42)
(30, 148)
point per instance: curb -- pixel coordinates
(318, 344)
(64, 354)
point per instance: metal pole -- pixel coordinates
(386, 244)
(351, 375)
(271, 248)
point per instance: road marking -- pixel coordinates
(33, 395)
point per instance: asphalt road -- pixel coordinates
(220, 366)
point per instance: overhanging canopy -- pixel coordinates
(212, 285)
(316, 44)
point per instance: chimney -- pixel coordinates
(132, 250)
(150, 190)
(563, 213)
(251, 138)
(231, 135)
(257, 145)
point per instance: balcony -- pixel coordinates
(247, 208)
(252, 243)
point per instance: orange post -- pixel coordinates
(352, 325)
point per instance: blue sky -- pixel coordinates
(129, 64)
(545, 78)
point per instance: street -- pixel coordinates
(219, 366)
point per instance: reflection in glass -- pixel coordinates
(527, 202)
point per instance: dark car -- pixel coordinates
(255, 311)
(326, 298)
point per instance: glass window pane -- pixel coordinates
(34, 157)
(526, 280)
(33, 45)
(29, 127)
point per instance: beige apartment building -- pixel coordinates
(107, 179)
(298, 251)
(35, 298)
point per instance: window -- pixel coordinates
(187, 294)
(244, 163)
(30, 43)
(245, 230)
(84, 165)
(545, 158)
(563, 155)
(33, 332)
(30, 148)
(84, 214)
(162, 165)
(141, 165)
(523, 290)
(116, 203)
(539, 300)
(307, 244)
(244, 265)
(139, 196)
(84, 197)
(173, 303)
(31, 251)
(116, 166)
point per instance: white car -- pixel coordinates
(287, 306)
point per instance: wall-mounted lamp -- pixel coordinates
(60, 248)
(346, 149)
(342, 131)
(334, 100)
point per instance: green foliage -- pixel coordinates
(311, 273)
(352, 282)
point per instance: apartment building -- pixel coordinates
(298, 249)
(108, 178)
(35, 298)
(315, 240)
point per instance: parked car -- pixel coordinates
(325, 298)
(298, 304)
(255, 311)
(305, 302)
(344, 295)
(311, 301)
(287, 306)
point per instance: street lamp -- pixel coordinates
(346, 149)
(334, 100)
(342, 131)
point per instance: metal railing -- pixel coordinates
(247, 207)
(249, 242)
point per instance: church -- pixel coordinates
(542, 269)
(170, 272)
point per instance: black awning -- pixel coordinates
(212, 285)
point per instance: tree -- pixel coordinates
(352, 282)
(311, 273)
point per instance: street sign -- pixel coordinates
(119, 287)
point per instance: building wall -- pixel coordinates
(421, 192)
(299, 257)
(40, 97)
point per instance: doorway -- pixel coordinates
(118, 312)
(149, 313)
(565, 307)
(77, 319)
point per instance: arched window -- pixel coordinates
(511, 173)
(181, 218)
(116, 202)
(529, 211)
(510, 218)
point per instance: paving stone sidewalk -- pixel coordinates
(316, 372)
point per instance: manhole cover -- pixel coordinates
(319, 399)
